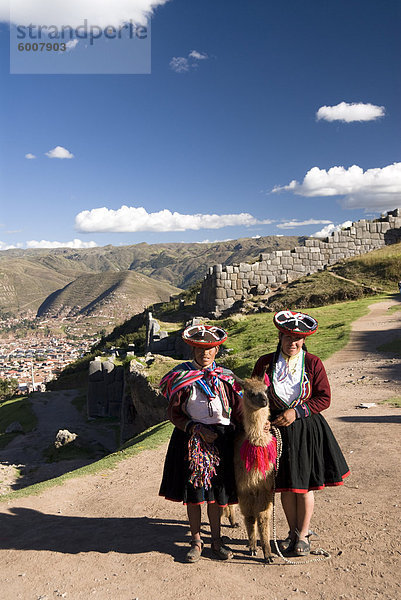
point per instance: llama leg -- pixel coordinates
(264, 518)
(231, 516)
(250, 524)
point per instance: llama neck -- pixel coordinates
(254, 423)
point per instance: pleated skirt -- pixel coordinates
(175, 483)
(311, 457)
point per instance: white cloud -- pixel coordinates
(73, 244)
(30, 156)
(73, 12)
(374, 189)
(326, 231)
(350, 112)
(131, 219)
(59, 152)
(5, 246)
(182, 64)
(179, 64)
(294, 223)
(198, 55)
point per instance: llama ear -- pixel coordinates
(261, 377)
(238, 380)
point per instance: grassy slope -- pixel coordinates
(129, 292)
(381, 268)
(17, 409)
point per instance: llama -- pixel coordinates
(254, 460)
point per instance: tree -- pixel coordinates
(8, 388)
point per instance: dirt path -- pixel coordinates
(111, 537)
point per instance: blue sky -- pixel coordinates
(207, 145)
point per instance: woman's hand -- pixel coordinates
(207, 434)
(285, 418)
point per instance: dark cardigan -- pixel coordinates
(320, 396)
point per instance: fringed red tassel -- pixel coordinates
(261, 458)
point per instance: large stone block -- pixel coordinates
(221, 293)
(245, 268)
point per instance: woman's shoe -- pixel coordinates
(220, 551)
(288, 544)
(302, 547)
(195, 551)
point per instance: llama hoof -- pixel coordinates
(268, 560)
(234, 525)
(252, 552)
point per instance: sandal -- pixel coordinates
(222, 552)
(195, 551)
(302, 547)
(288, 544)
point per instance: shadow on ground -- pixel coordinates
(28, 529)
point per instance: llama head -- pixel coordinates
(255, 392)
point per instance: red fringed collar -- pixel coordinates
(261, 458)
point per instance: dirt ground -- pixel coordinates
(110, 537)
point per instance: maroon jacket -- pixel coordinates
(319, 396)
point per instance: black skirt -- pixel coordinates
(311, 458)
(175, 483)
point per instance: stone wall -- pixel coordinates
(225, 284)
(143, 405)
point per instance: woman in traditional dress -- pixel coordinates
(204, 406)
(299, 390)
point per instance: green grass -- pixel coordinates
(17, 409)
(72, 451)
(80, 403)
(319, 289)
(395, 402)
(380, 268)
(253, 335)
(148, 440)
(394, 347)
(160, 367)
(394, 308)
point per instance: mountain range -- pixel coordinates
(68, 282)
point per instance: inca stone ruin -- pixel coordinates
(225, 284)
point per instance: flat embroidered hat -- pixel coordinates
(204, 336)
(295, 323)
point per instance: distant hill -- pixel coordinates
(24, 284)
(28, 277)
(118, 295)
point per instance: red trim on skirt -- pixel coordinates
(313, 489)
(198, 503)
